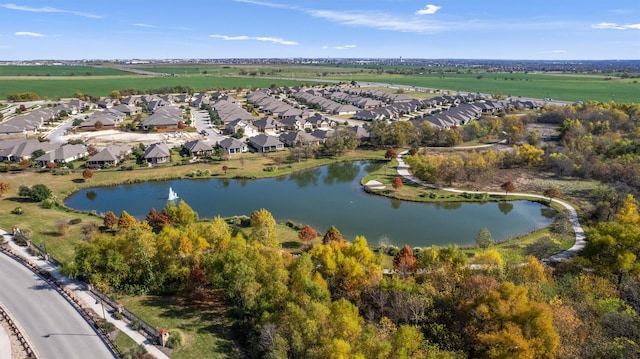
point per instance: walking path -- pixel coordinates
(83, 295)
(578, 246)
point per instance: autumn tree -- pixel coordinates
(397, 183)
(197, 283)
(158, 220)
(87, 174)
(126, 221)
(98, 125)
(115, 94)
(508, 187)
(92, 150)
(4, 187)
(225, 168)
(110, 220)
(182, 214)
(484, 239)
(263, 229)
(333, 235)
(404, 262)
(391, 154)
(552, 193)
(504, 323)
(307, 234)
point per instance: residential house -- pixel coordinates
(296, 138)
(265, 143)
(109, 156)
(157, 153)
(165, 117)
(233, 146)
(197, 148)
(63, 154)
(23, 149)
(236, 126)
(268, 125)
(128, 110)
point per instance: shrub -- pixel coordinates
(17, 210)
(176, 339)
(48, 203)
(75, 221)
(117, 315)
(135, 325)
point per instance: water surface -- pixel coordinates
(325, 196)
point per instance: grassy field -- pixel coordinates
(206, 326)
(65, 87)
(87, 71)
(558, 87)
(58, 82)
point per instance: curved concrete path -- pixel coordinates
(403, 170)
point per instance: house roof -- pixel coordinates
(265, 141)
(157, 150)
(197, 146)
(231, 142)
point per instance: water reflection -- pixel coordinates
(505, 207)
(448, 205)
(306, 178)
(395, 203)
(341, 172)
(91, 195)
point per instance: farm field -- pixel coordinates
(64, 87)
(40, 70)
(57, 81)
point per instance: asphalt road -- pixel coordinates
(53, 326)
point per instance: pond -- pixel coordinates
(322, 197)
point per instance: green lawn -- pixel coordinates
(206, 326)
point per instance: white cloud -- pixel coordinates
(29, 33)
(275, 40)
(554, 52)
(47, 9)
(428, 10)
(144, 25)
(613, 25)
(375, 20)
(268, 4)
(345, 47)
(325, 47)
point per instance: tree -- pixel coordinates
(87, 174)
(551, 192)
(391, 154)
(508, 187)
(39, 193)
(332, 235)
(263, 229)
(182, 214)
(110, 220)
(126, 221)
(397, 183)
(4, 187)
(307, 234)
(158, 220)
(404, 262)
(484, 239)
(98, 125)
(37, 153)
(115, 94)
(225, 168)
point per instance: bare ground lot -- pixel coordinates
(111, 137)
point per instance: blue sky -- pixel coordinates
(433, 29)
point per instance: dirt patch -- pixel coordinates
(110, 137)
